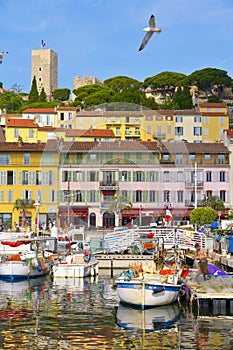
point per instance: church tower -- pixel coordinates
(45, 69)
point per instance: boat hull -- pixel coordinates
(75, 270)
(12, 270)
(143, 294)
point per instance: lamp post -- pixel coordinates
(37, 204)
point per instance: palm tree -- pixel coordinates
(23, 205)
(118, 204)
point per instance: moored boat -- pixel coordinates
(75, 266)
(144, 290)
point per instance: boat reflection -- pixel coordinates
(74, 283)
(20, 287)
(153, 319)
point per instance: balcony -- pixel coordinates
(104, 204)
(108, 185)
(191, 184)
(188, 203)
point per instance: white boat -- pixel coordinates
(147, 289)
(153, 319)
(27, 264)
(75, 266)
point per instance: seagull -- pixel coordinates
(149, 32)
(2, 54)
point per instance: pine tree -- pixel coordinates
(33, 95)
(42, 96)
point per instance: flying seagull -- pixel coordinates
(2, 54)
(149, 32)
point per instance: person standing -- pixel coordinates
(201, 259)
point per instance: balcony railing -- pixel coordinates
(192, 184)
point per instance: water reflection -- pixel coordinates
(153, 319)
(86, 314)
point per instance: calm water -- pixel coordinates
(85, 314)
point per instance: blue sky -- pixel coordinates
(101, 37)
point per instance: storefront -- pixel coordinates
(73, 216)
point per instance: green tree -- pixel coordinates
(61, 94)
(122, 83)
(214, 99)
(92, 95)
(166, 82)
(213, 202)
(33, 95)
(206, 80)
(203, 215)
(118, 204)
(23, 205)
(10, 102)
(42, 97)
(183, 98)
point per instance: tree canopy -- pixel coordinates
(214, 202)
(61, 94)
(203, 215)
(33, 95)
(122, 83)
(10, 102)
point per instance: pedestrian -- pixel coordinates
(201, 259)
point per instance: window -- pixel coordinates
(52, 196)
(197, 119)
(92, 176)
(208, 194)
(139, 157)
(207, 156)
(166, 196)
(206, 131)
(206, 120)
(118, 131)
(65, 176)
(10, 177)
(70, 116)
(62, 116)
(78, 196)
(179, 119)
(148, 129)
(179, 131)
(127, 131)
(137, 131)
(79, 176)
(27, 194)
(26, 158)
(179, 158)
(159, 130)
(127, 119)
(180, 176)
(138, 196)
(51, 177)
(159, 118)
(197, 131)
(38, 178)
(138, 176)
(149, 117)
(166, 176)
(166, 156)
(151, 176)
(222, 176)
(48, 120)
(25, 177)
(16, 132)
(221, 120)
(92, 157)
(169, 129)
(221, 158)
(152, 196)
(92, 196)
(222, 195)
(180, 196)
(124, 176)
(4, 158)
(192, 156)
(208, 176)
(31, 133)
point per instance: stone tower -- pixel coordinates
(45, 69)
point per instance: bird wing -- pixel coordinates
(145, 40)
(152, 21)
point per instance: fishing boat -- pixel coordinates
(75, 265)
(144, 287)
(27, 264)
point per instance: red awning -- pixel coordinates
(15, 244)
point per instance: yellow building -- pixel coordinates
(29, 172)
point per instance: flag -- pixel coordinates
(168, 214)
(42, 43)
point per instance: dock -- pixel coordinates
(121, 261)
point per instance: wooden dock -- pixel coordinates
(121, 261)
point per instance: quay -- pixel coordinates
(121, 261)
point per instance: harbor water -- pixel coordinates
(86, 314)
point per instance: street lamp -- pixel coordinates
(38, 204)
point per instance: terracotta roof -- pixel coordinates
(185, 147)
(229, 132)
(21, 123)
(40, 110)
(90, 133)
(62, 108)
(214, 104)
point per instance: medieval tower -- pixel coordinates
(45, 69)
